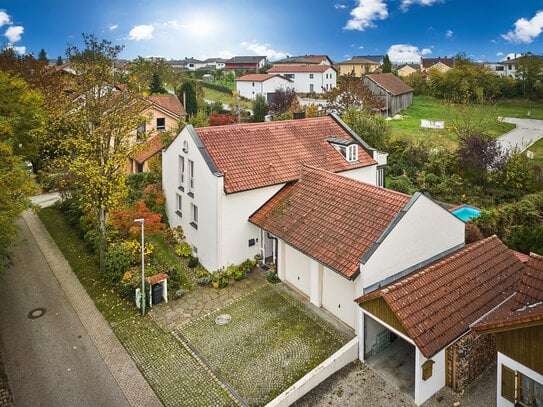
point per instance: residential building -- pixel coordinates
(517, 326)
(407, 69)
(254, 63)
(305, 60)
(308, 78)
(394, 93)
(251, 85)
(165, 112)
(440, 64)
(360, 65)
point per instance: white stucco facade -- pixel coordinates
(249, 89)
(310, 81)
(424, 231)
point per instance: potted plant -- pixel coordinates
(215, 278)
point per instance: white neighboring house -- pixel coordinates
(251, 85)
(308, 78)
(214, 178)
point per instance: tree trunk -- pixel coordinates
(102, 234)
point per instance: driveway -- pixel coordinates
(527, 132)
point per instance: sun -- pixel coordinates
(201, 26)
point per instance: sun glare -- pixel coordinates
(201, 26)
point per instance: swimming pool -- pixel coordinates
(465, 212)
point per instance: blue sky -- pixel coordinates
(485, 30)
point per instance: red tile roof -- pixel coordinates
(429, 62)
(169, 103)
(331, 218)
(299, 68)
(438, 303)
(390, 82)
(261, 154)
(522, 257)
(149, 149)
(525, 308)
(259, 77)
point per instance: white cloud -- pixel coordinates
(264, 49)
(141, 32)
(449, 34)
(525, 30)
(113, 27)
(13, 33)
(499, 54)
(404, 53)
(340, 6)
(407, 3)
(4, 18)
(19, 50)
(366, 13)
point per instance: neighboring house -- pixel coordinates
(429, 313)
(394, 93)
(504, 68)
(360, 66)
(254, 63)
(214, 178)
(517, 326)
(305, 60)
(407, 69)
(251, 85)
(164, 112)
(440, 64)
(215, 63)
(335, 237)
(308, 78)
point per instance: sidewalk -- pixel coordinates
(122, 367)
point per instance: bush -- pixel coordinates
(193, 262)
(117, 261)
(183, 250)
(272, 277)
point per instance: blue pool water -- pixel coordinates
(466, 212)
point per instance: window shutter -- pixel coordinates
(508, 384)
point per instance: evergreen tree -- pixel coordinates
(42, 56)
(59, 61)
(260, 109)
(187, 94)
(387, 65)
(156, 87)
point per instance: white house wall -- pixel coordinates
(250, 89)
(302, 80)
(338, 297)
(364, 174)
(516, 366)
(297, 269)
(424, 389)
(236, 230)
(426, 230)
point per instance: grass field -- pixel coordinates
(425, 107)
(215, 95)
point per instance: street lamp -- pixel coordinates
(142, 221)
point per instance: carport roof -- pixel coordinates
(438, 303)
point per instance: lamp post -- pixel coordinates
(142, 221)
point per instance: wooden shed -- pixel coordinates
(395, 94)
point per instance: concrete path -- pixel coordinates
(527, 132)
(119, 382)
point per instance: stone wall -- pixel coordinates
(471, 355)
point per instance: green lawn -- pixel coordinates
(216, 96)
(537, 149)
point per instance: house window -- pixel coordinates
(289, 75)
(181, 173)
(191, 178)
(352, 153)
(530, 392)
(194, 216)
(179, 206)
(380, 176)
(139, 167)
(140, 132)
(311, 88)
(253, 84)
(161, 123)
(508, 384)
(311, 76)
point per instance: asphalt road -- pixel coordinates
(49, 360)
(527, 132)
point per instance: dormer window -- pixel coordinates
(348, 149)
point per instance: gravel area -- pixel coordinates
(359, 385)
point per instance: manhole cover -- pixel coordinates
(223, 319)
(36, 313)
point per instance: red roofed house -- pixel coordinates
(214, 178)
(517, 325)
(308, 78)
(339, 237)
(439, 64)
(251, 85)
(431, 310)
(394, 93)
(165, 112)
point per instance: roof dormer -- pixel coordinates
(347, 148)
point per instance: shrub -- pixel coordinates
(183, 250)
(272, 277)
(117, 261)
(193, 262)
